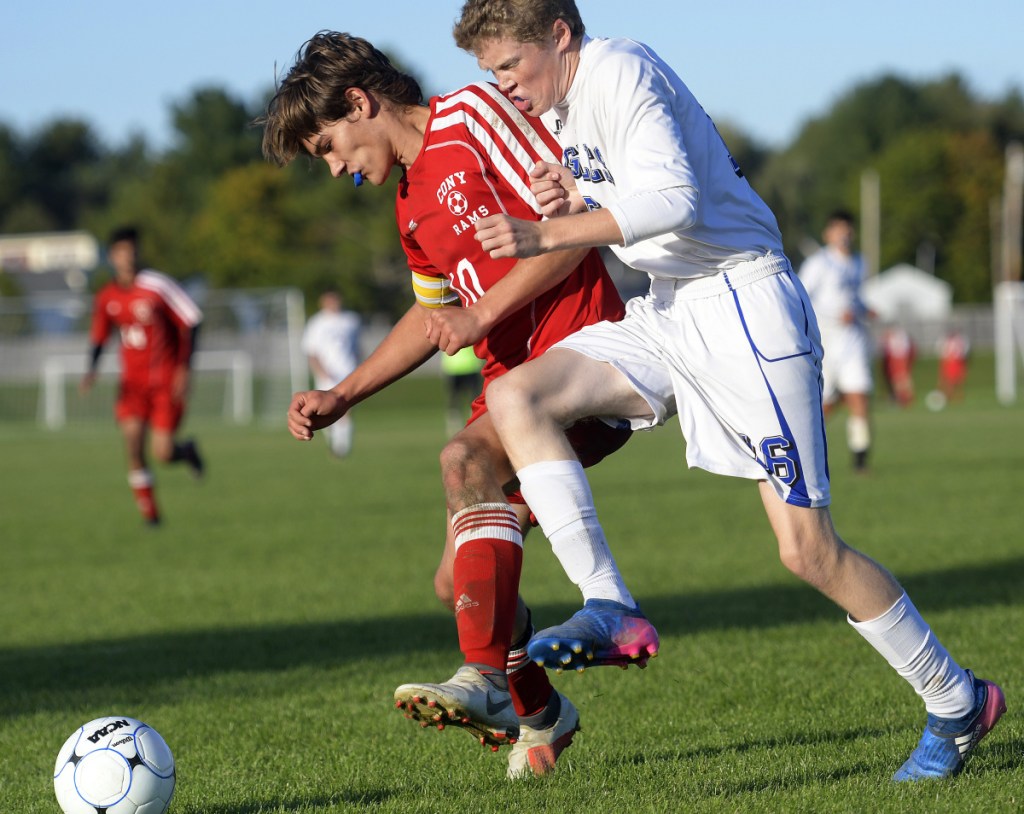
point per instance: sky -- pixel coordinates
(765, 68)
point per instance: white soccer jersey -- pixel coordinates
(629, 126)
(726, 337)
(833, 281)
(333, 338)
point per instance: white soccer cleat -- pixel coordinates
(466, 700)
(537, 749)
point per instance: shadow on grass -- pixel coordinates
(359, 800)
(991, 759)
(56, 677)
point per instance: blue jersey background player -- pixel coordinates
(726, 337)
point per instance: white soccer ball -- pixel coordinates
(935, 400)
(114, 765)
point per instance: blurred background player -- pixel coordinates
(463, 383)
(157, 322)
(833, 277)
(954, 350)
(726, 337)
(898, 355)
(331, 344)
(466, 154)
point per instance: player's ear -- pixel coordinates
(561, 35)
(362, 103)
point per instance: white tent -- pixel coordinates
(906, 292)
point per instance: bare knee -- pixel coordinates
(813, 557)
(463, 461)
(508, 397)
(162, 448)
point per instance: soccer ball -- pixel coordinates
(114, 765)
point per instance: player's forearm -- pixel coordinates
(527, 280)
(193, 343)
(403, 350)
(655, 212)
(586, 230)
(187, 339)
(94, 356)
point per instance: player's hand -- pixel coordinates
(180, 383)
(503, 236)
(313, 410)
(88, 380)
(452, 329)
(555, 189)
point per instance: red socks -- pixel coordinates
(488, 561)
(141, 482)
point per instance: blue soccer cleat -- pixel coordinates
(603, 633)
(946, 743)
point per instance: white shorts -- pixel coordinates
(846, 367)
(738, 356)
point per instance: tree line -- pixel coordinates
(210, 205)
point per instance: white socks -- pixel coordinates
(858, 434)
(559, 496)
(908, 644)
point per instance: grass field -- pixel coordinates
(263, 629)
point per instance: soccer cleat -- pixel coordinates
(603, 633)
(537, 749)
(946, 743)
(466, 700)
(194, 459)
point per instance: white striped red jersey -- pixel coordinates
(155, 317)
(476, 158)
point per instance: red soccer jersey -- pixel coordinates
(154, 317)
(475, 161)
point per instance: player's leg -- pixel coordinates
(858, 429)
(488, 543)
(473, 468)
(856, 384)
(140, 479)
(339, 436)
(166, 416)
(531, 406)
(486, 558)
(961, 709)
(768, 350)
(548, 720)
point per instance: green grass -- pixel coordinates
(263, 629)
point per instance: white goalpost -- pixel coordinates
(63, 370)
(1008, 295)
(248, 363)
(1009, 338)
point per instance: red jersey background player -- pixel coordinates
(157, 322)
(954, 351)
(898, 354)
(467, 154)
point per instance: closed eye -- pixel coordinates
(323, 147)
